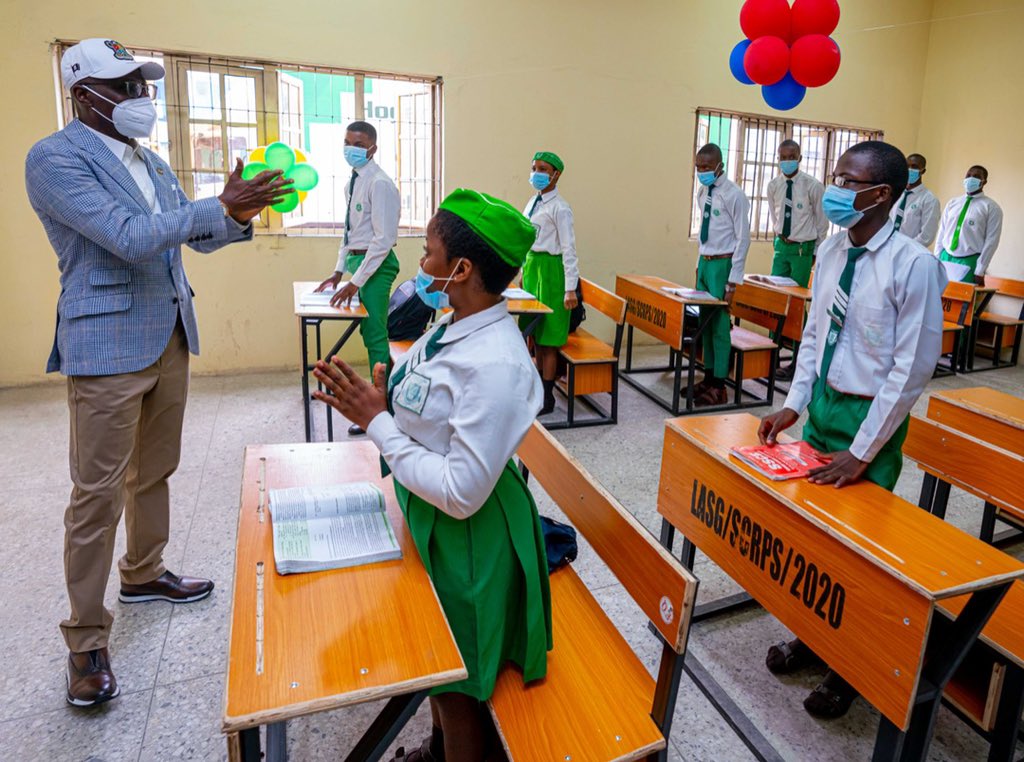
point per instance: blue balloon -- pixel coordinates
(736, 62)
(785, 94)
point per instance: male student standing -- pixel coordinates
(724, 241)
(797, 218)
(372, 211)
(970, 228)
(872, 339)
(551, 271)
(917, 213)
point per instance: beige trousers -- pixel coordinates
(125, 444)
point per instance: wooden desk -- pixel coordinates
(845, 570)
(329, 639)
(315, 316)
(982, 296)
(663, 316)
(983, 413)
(799, 303)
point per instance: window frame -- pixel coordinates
(176, 62)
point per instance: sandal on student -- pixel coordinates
(832, 699)
(786, 658)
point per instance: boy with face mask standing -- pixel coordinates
(724, 240)
(796, 215)
(917, 213)
(372, 212)
(551, 271)
(872, 339)
(971, 227)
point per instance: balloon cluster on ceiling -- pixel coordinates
(787, 49)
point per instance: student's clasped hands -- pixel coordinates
(844, 467)
(356, 399)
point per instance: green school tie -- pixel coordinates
(959, 224)
(902, 210)
(432, 348)
(705, 222)
(837, 313)
(787, 220)
(348, 209)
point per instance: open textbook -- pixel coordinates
(790, 460)
(317, 528)
(955, 271)
(323, 298)
(689, 293)
(773, 280)
(513, 292)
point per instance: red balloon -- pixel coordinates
(765, 18)
(814, 17)
(767, 60)
(814, 60)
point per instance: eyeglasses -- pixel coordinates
(132, 88)
(841, 182)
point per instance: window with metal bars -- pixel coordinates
(750, 146)
(214, 109)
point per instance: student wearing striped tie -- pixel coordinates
(971, 227)
(724, 241)
(551, 271)
(918, 211)
(873, 336)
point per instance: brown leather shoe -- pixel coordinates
(90, 679)
(167, 587)
(712, 396)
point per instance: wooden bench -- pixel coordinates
(958, 316)
(997, 333)
(755, 355)
(988, 690)
(592, 364)
(855, 573)
(598, 701)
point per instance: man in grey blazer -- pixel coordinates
(117, 217)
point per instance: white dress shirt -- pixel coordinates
(552, 217)
(374, 211)
(729, 231)
(130, 154)
(980, 233)
(920, 215)
(891, 337)
(809, 222)
(460, 416)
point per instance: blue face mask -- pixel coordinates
(789, 166)
(915, 176)
(436, 300)
(355, 156)
(707, 179)
(972, 184)
(838, 205)
(540, 180)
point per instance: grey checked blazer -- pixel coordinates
(121, 275)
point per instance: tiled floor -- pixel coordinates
(170, 661)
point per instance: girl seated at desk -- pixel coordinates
(447, 423)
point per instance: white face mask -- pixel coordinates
(134, 118)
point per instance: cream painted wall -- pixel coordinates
(972, 111)
(611, 86)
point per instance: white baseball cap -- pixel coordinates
(103, 59)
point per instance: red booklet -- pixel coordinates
(792, 460)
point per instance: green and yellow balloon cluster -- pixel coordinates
(290, 161)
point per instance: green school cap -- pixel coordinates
(550, 158)
(503, 227)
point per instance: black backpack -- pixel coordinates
(578, 313)
(408, 316)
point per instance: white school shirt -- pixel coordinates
(809, 222)
(891, 337)
(729, 232)
(980, 233)
(552, 218)
(374, 211)
(920, 216)
(461, 415)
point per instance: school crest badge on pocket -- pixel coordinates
(412, 395)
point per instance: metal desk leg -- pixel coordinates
(629, 349)
(277, 742)
(389, 723)
(304, 370)
(531, 327)
(249, 745)
(1007, 725)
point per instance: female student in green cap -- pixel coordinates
(551, 272)
(451, 416)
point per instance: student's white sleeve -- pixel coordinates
(929, 223)
(993, 232)
(385, 211)
(741, 221)
(498, 404)
(943, 228)
(818, 210)
(917, 350)
(773, 192)
(806, 373)
(567, 242)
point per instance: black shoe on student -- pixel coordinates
(785, 374)
(355, 431)
(549, 398)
